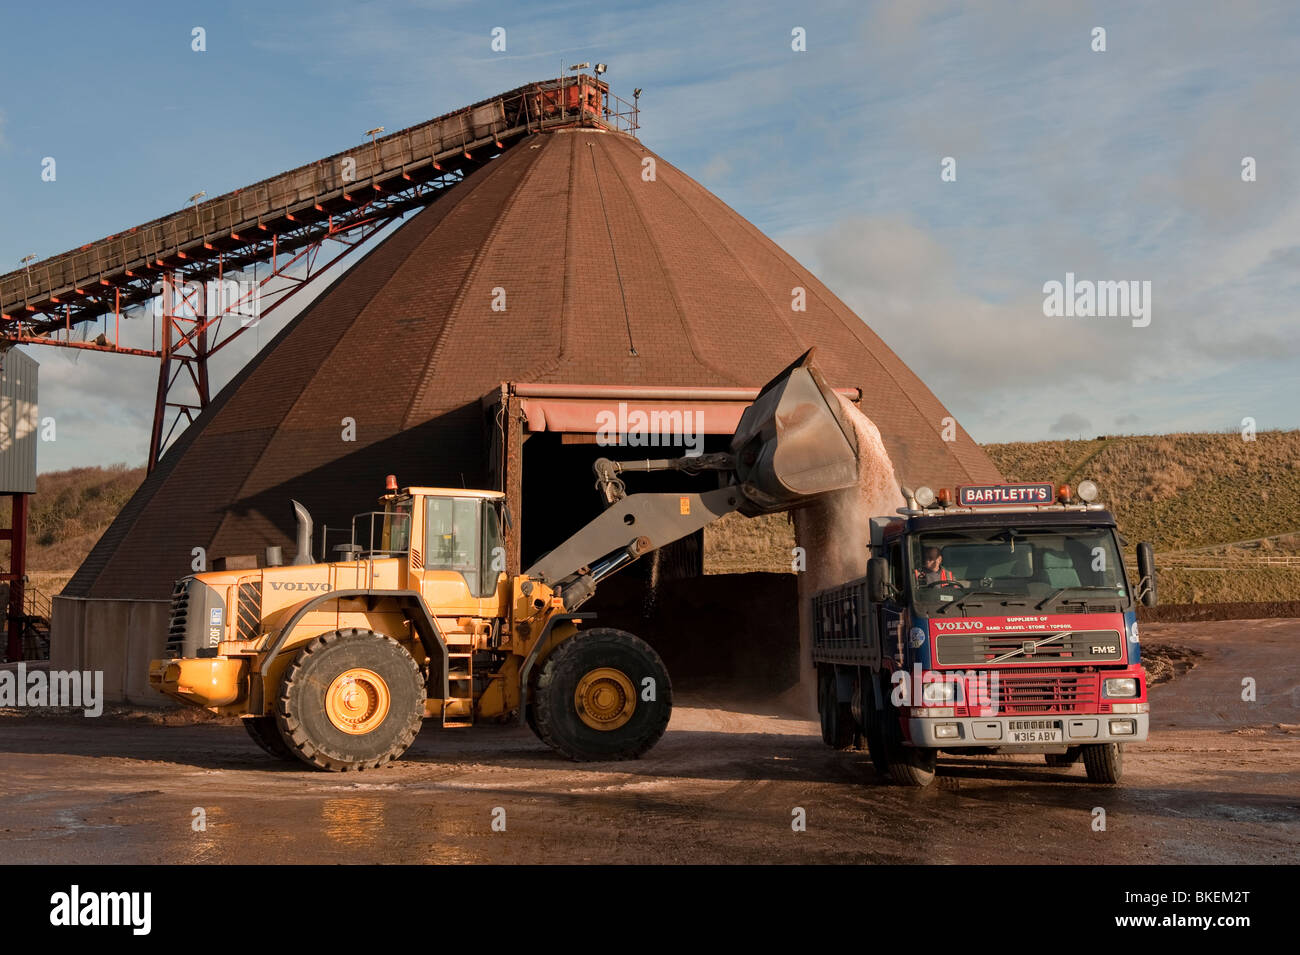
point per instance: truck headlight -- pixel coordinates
(1120, 686)
(939, 693)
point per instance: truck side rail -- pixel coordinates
(842, 627)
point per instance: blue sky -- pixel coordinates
(1115, 165)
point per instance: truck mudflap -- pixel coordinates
(1027, 734)
(209, 681)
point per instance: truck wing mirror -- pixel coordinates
(878, 579)
(1146, 588)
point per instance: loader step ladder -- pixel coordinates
(460, 691)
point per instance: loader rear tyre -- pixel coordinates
(350, 700)
(838, 727)
(603, 694)
(267, 735)
(1104, 762)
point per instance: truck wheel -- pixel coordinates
(908, 766)
(351, 699)
(1104, 762)
(267, 735)
(838, 729)
(592, 701)
(1064, 760)
(874, 732)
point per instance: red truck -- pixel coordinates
(998, 620)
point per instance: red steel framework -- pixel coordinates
(16, 577)
(288, 223)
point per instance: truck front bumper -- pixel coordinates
(1074, 730)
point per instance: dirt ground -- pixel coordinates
(1219, 781)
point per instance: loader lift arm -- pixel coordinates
(793, 444)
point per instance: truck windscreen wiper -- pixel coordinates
(1052, 598)
(974, 593)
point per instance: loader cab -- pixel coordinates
(456, 554)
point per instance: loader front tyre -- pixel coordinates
(350, 700)
(603, 694)
(266, 734)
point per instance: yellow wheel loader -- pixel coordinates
(336, 664)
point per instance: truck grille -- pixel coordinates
(248, 620)
(974, 647)
(1071, 607)
(179, 620)
(1045, 691)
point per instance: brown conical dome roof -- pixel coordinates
(608, 278)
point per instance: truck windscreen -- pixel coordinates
(1042, 568)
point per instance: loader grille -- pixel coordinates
(179, 620)
(248, 619)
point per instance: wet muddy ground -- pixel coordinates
(1219, 781)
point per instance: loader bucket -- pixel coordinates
(794, 442)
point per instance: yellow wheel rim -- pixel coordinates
(357, 701)
(605, 699)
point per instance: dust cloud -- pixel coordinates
(834, 532)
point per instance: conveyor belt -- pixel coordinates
(394, 173)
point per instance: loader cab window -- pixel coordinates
(494, 547)
(463, 534)
(396, 537)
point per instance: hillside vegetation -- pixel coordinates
(67, 515)
(1178, 491)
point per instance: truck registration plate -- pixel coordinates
(1036, 736)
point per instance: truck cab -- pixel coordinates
(1007, 627)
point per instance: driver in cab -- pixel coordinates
(932, 571)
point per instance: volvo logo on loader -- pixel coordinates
(298, 585)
